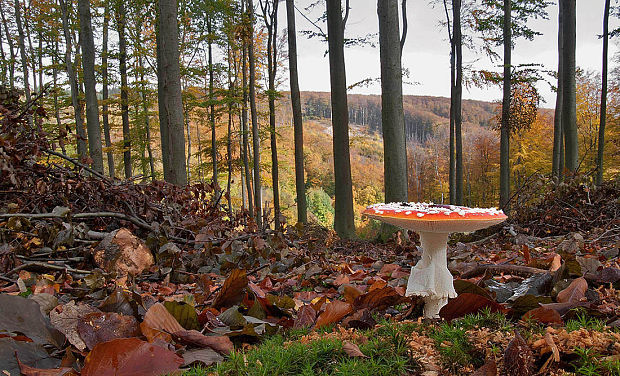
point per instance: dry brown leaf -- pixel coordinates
(305, 317)
(574, 292)
(379, 298)
(31, 371)
(556, 263)
(488, 369)
(221, 344)
(554, 348)
(159, 323)
(98, 327)
(232, 290)
(518, 358)
(468, 303)
(351, 293)
(544, 315)
(352, 350)
(334, 312)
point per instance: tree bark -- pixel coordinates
(90, 90)
(253, 113)
(79, 122)
(105, 92)
(558, 141)
(11, 50)
(298, 129)
(504, 148)
(452, 162)
(122, 57)
(62, 133)
(169, 94)
(245, 130)
(344, 216)
(458, 94)
(392, 115)
(212, 109)
(22, 49)
(603, 112)
(569, 97)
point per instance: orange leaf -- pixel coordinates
(232, 290)
(543, 315)
(555, 263)
(334, 312)
(574, 292)
(31, 371)
(130, 356)
(159, 323)
(351, 293)
(379, 298)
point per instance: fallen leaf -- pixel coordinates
(32, 371)
(468, 303)
(98, 327)
(204, 357)
(379, 298)
(554, 348)
(462, 286)
(334, 312)
(544, 315)
(66, 317)
(556, 263)
(232, 290)
(159, 323)
(350, 293)
(24, 316)
(130, 356)
(488, 369)
(184, 313)
(305, 317)
(221, 344)
(574, 292)
(29, 353)
(518, 358)
(352, 350)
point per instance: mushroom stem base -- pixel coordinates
(430, 278)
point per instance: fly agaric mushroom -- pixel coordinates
(430, 278)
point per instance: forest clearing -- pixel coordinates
(168, 206)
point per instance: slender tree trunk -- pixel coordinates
(452, 162)
(392, 115)
(169, 94)
(5, 62)
(79, 122)
(344, 217)
(458, 94)
(253, 113)
(504, 158)
(244, 129)
(300, 185)
(30, 52)
(122, 57)
(22, 49)
(147, 122)
(105, 93)
(62, 133)
(569, 99)
(212, 108)
(603, 112)
(558, 141)
(88, 66)
(11, 50)
(40, 55)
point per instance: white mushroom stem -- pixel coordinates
(430, 278)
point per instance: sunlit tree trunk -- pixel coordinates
(344, 216)
(9, 40)
(105, 91)
(558, 135)
(90, 90)
(22, 49)
(245, 130)
(458, 96)
(212, 108)
(122, 57)
(603, 112)
(258, 212)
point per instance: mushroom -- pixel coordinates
(430, 278)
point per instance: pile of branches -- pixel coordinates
(575, 205)
(36, 181)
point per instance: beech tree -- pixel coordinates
(344, 216)
(569, 95)
(603, 112)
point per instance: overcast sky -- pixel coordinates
(426, 52)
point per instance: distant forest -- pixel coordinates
(421, 112)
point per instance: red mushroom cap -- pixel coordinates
(429, 217)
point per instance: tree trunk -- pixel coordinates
(22, 49)
(92, 106)
(452, 162)
(11, 50)
(253, 113)
(122, 57)
(392, 115)
(105, 93)
(169, 94)
(300, 185)
(458, 97)
(245, 131)
(79, 122)
(212, 110)
(569, 97)
(147, 122)
(62, 133)
(504, 148)
(344, 217)
(603, 113)
(558, 141)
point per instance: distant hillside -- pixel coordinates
(422, 113)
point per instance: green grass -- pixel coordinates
(590, 364)
(386, 350)
(583, 321)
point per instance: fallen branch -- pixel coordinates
(494, 269)
(136, 221)
(45, 265)
(75, 162)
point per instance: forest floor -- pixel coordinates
(101, 277)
